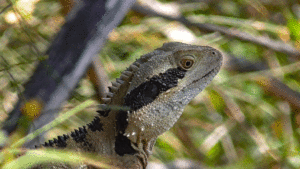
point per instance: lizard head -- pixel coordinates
(199, 64)
(168, 81)
(160, 89)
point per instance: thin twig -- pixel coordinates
(99, 78)
(5, 8)
(12, 77)
(23, 26)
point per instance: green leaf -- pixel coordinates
(294, 27)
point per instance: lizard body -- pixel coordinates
(155, 89)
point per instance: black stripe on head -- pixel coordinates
(149, 90)
(141, 96)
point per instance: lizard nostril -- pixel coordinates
(213, 53)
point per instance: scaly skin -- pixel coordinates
(155, 89)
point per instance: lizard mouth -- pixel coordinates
(213, 71)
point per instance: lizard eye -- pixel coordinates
(187, 62)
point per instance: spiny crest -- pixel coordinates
(60, 141)
(119, 88)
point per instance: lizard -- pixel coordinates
(154, 91)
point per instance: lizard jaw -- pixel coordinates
(211, 73)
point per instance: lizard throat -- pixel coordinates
(141, 96)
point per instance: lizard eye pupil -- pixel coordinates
(187, 62)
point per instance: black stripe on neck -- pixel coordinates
(141, 96)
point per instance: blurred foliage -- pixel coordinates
(235, 123)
